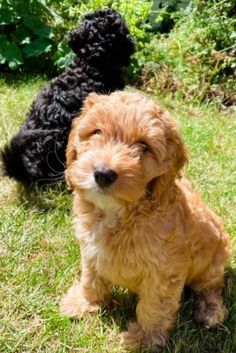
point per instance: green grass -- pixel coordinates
(39, 257)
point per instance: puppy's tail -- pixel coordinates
(103, 39)
(15, 162)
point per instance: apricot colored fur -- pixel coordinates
(148, 231)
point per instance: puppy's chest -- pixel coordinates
(115, 255)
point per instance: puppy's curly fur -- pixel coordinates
(140, 224)
(103, 47)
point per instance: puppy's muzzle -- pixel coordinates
(104, 177)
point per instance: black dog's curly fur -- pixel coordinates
(103, 47)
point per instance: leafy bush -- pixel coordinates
(37, 28)
(197, 60)
(185, 48)
(25, 32)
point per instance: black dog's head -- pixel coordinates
(102, 39)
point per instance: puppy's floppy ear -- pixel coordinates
(177, 150)
(71, 153)
(176, 158)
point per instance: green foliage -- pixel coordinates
(24, 31)
(182, 47)
(197, 59)
(37, 28)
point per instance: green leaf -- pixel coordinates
(57, 18)
(65, 61)
(13, 55)
(13, 64)
(22, 35)
(233, 35)
(10, 52)
(8, 16)
(2, 59)
(3, 44)
(37, 47)
(38, 27)
(64, 55)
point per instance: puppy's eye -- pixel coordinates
(143, 146)
(97, 132)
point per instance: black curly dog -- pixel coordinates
(103, 47)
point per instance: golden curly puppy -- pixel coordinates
(140, 226)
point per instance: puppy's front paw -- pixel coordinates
(210, 315)
(136, 338)
(74, 303)
(133, 337)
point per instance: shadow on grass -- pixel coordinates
(44, 198)
(121, 310)
(188, 336)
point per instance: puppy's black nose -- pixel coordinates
(104, 177)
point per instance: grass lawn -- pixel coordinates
(39, 257)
